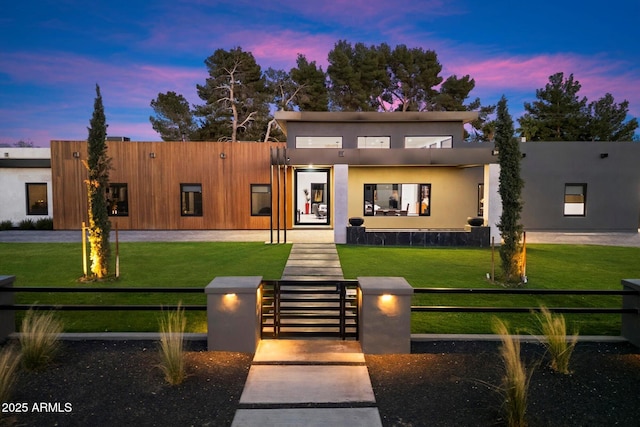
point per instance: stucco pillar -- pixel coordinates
(492, 207)
(631, 322)
(340, 203)
(385, 315)
(233, 313)
(7, 317)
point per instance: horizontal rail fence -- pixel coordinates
(293, 308)
(102, 307)
(493, 291)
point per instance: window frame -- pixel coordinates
(437, 142)
(196, 203)
(566, 203)
(377, 142)
(43, 211)
(268, 188)
(370, 196)
(305, 142)
(118, 211)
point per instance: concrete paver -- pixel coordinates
(308, 383)
(308, 417)
(320, 351)
(269, 384)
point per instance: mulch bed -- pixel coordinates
(440, 384)
(454, 384)
(118, 383)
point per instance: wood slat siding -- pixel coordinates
(154, 183)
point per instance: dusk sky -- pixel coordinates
(53, 52)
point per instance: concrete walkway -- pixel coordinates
(313, 261)
(298, 235)
(308, 383)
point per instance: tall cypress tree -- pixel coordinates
(98, 164)
(510, 189)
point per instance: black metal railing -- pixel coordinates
(520, 291)
(101, 307)
(293, 308)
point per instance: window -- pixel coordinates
(428, 141)
(374, 142)
(191, 199)
(118, 200)
(481, 199)
(318, 142)
(260, 199)
(37, 199)
(575, 199)
(397, 199)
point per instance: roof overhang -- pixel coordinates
(25, 163)
(283, 117)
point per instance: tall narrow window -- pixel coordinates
(37, 199)
(575, 199)
(260, 199)
(481, 199)
(191, 199)
(118, 200)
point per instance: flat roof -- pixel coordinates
(282, 117)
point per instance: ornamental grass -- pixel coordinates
(172, 361)
(558, 345)
(39, 341)
(9, 361)
(515, 381)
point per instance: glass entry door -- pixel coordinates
(312, 201)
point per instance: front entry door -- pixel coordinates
(312, 201)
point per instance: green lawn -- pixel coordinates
(196, 264)
(141, 265)
(548, 267)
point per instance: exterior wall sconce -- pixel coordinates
(524, 155)
(76, 154)
(604, 155)
(223, 156)
(495, 152)
(152, 155)
(7, 154)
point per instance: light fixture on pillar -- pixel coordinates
(152, 155)
(76, 154)
(223, 156)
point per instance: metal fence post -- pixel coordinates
(7, 317)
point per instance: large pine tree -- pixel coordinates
(98, 164)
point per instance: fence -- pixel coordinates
(234, 308)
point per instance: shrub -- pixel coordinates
(558, 346)
(27, 224)
(9, 360)
(44, 224)
(6, 225)
(172, 362)
(39, 339)
(515, 382)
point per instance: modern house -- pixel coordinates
(401, 172)
(25, 184)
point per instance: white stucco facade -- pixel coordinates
(19, 167)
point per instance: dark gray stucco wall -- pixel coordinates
(613, 185)
(350, 131)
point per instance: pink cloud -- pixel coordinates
(597, 75)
